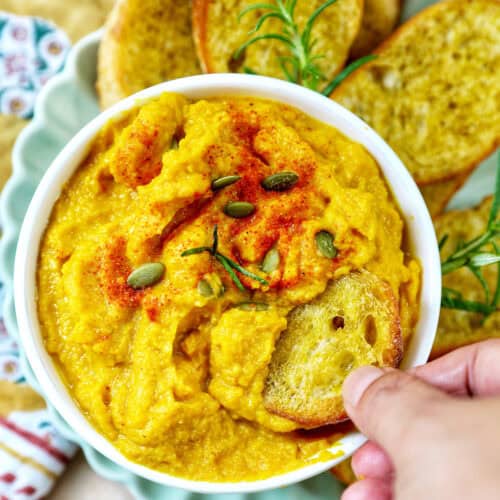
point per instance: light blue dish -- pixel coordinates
(66, 103)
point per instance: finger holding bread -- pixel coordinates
(354, 322)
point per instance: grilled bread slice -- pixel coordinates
(344, 473)
(433, 91)
(218, 34)
(354, 322)
(438, 194)
(378, 22)
(459, 328)
(144, 42)
(10, 127)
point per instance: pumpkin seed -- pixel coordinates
(225, 181)
(280, 181)
(324, 242)
(174, 144)
(253, 306)
(146, 275)
(204, 288)
(271, 261)
(239, 209)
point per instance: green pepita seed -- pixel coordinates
(253, 306)
(271, 261)
(174, 144)
(204, 288)
(146, 275)
(225, 181)
(239, 209)
(324, 241)
(280, 181)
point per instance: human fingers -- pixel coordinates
(371, 461)
(368, 489)
(470, 371)
(385, 403)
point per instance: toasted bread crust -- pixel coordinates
(199, 19)
(301, 406)
(438, 194)
(344, 473)
(207, 54)
(139, 51)
(425, 176)
(109, 86)
(459, 328)
(379, 20)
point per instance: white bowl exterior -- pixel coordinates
(419, 226)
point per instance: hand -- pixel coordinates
(434, 431)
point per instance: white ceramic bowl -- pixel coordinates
(420, 230)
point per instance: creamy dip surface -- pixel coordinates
(173, 374)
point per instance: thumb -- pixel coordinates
(391, 407)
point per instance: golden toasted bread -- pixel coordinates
(459, 328)
(438, 194)
(344, 473)
(76, 17)
(144, 42)
(354, 322)
(218, 34)
(379, 20)
(432, 93)
(10, 127)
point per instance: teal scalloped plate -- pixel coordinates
(65, 104)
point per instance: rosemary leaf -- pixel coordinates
(346, 72)
(479, 252)
(443, 241)
(269, 36)
(496, 296)
(452, 265)
(249, 71)
(216, 240)
(229, 265)
(451, 302)
(495, 206)
(263, 19)
(306, 34)
(242, 270)
(484, 259)
(193, 251)
(301, 64)
(230, 271)
(256, 6)
(480, 276)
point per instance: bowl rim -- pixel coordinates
(411, 204)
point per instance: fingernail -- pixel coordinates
(357, 382)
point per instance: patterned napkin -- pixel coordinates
(31, 51)
(32, 453)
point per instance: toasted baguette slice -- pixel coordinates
(378, 22)
(144, 42)
(218, 33)
(459, 328)
(10, 127)
(438, 194)
(433, 91)
(354, 322)
(344, 473)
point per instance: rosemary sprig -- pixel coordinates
(228, 264)
(301, 64)
(475, 254)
